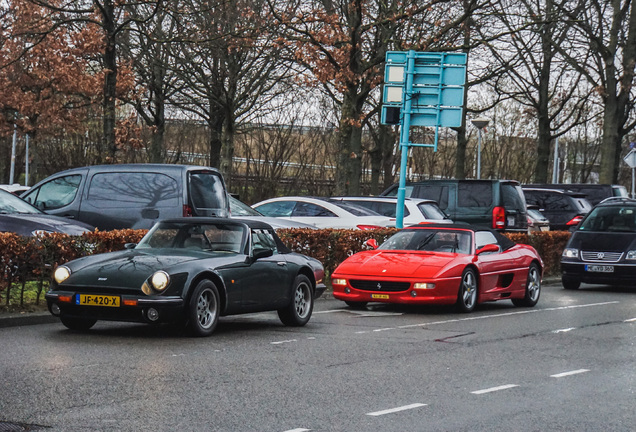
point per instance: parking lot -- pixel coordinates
(566, 364)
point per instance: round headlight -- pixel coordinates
(61, 274)
(160, 280)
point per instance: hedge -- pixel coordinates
(24, 259)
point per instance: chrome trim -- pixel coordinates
(604, 257)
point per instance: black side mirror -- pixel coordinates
(262, 253)
(130, 245)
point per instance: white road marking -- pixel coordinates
(298, 430)
(285, 341)
(630, 320)
(565, 330)
(394, 410)
(494, 389)
(498, 315)
(574, 372)
(361, 313)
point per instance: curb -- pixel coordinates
(27, 319)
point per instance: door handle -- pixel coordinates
(281, 263)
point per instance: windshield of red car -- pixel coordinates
(430, 240)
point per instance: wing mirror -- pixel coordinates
(262, 253)
(130, 245)
(372, 243)
(487, 248)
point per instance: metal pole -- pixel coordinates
(555, 167)
(479, 154)
(633, 178)
(26, 162)
(404, 138)
(15, 139)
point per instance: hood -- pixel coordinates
(602, 242)
(387, 263)
(131, 268)
(26, 223)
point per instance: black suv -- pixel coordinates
(496, 204)
(602, 250)
(563, 209)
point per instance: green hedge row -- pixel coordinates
(24, 259)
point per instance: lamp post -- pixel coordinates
(479, 123)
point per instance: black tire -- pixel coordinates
(203, 309)
(533, 288)
(80, 324)
(299, 309)
(356, 305)
(570, 284)
(468, 291)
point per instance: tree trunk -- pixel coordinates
(110, 84)
(227, 151)
(215, 124)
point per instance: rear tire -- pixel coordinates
(79, 324)
(533, 288)
(468, 291)
(570, 284)
(299, 309)
(203, 309)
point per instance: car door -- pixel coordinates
(59, 196)
(267, 280)
(496, 268)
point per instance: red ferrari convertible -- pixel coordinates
(441, 264)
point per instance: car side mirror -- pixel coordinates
(372, 243)
(262, 253)
(130, 245)
(488, 248)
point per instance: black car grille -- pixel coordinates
(601, 256)
(371, 285)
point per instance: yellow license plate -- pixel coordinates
(380, 296)
(97, 300)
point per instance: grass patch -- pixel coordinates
(28, 296)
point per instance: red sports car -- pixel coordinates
(441, 264)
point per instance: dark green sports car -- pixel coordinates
(190, 271)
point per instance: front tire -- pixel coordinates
(468, 290)
(79, 324)
(533, 288)
(203, 309)
(570, 284)
(299, 310)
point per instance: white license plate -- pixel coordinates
(599, 268)
(511, 221)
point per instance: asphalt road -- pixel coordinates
(567, 365)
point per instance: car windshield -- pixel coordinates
(610, 219)
(431, 211)
(239, 208)
(441, 240)
(11, 204)
(221, 237)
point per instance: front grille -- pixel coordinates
(371, 285)
(601, 256)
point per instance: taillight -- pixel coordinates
(499, 218)
(368, 227)
(187, 211)
(529, 221)
(575, 220)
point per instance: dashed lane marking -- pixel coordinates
(565, 330)
(494, 389)
(298, 430)
(394, 410)
(283, 342)
(574, 372)
(630, 320)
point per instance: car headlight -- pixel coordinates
(160, 280)
(631, 255)
(423, 285)
(338, 281)
(570, 253)
(61, 274)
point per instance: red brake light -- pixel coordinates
(575, 220)
(368, 227)
(187, 211)
(499, 218)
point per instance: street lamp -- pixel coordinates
(479, 123)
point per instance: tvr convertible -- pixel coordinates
(441, 264)
(189, 271)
